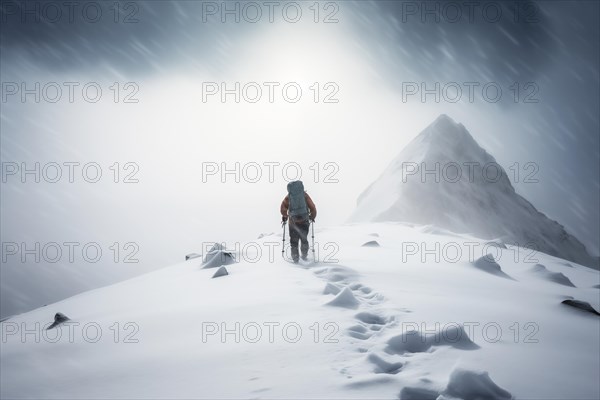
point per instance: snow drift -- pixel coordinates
(376, 327)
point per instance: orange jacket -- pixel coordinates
(285, 204)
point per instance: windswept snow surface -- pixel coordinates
(412, 318)
(444, 178)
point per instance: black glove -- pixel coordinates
(283, 220)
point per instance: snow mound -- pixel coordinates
(370, 318)
(417, 342)
(384, 367)
(344, 299)
(489, 265)
(338, 274)
(556, 277)
(470, 385)
(359, 332)
(330, 288)
(467, 192)
(463, 385)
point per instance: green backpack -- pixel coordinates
(297, 203)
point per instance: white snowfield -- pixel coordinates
(416, 315)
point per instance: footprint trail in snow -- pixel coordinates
(371, 322)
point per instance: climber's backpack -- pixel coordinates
(297, 203)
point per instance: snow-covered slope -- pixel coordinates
(418, 313)
(444, 178)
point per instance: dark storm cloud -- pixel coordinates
(499, 41)
(493, 40)
(128, 36)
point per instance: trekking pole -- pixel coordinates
(313, 240)
(283, 240)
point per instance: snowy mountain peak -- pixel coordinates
(441, 149)
(445, 142)
(444, 126)
(445, 137)
(444, 130)
(444, 178)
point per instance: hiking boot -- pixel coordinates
(295, 255)
(304, 257)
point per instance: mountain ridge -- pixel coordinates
(445, 178)
(372, 324)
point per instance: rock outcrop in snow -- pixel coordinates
(222, 271)
(581, 305)
(556, 277)
(489, 265)
(443, 177)
(372, 243)
(217, 256)
(192, 256)
(59, 318)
